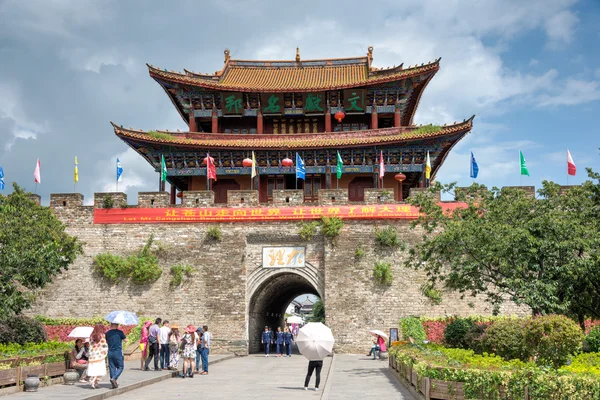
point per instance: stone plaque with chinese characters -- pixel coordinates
(283, 257)
(232, 103)
(272, 103)
(314, 103)
(355, 101)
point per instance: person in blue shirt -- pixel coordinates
(266, 340)
(288, 338)
(115, 338)
(279, 341)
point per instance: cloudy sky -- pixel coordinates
(529, 70)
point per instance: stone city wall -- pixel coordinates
(229, 275)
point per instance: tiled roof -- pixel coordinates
(312, 75)
(295, 141)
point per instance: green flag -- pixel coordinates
(339, 165)
(163, 169)
(524, 170)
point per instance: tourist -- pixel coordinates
(198, 350)
(79, 358)
(144, 344)
(266, 340)
(174, 340)
(205, 348)
(153, 345)
(374, 348)
(288, 338)
(279, 341)
(190, 345)
(116, 362)
(98, 351)
(164, 345)
(313, 365)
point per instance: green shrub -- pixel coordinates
(359, 252)
(588, 363)
(7, 334)
(108, 201)
(177, 273)
(553, 339)
(307, 230)
(214, 233)
(24, 330)
(331, 227)
(506, 338)
(382, 273)
(110, 266)
(160, 135)
(456, 332)
(474, 338)
(411, 327)
(431, 293)
(593, 340)
(140, 268)
(387, 237)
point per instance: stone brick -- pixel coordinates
(242, 198)
(564, 188)
(381, 195)
(288, 197)
(36, 198)
(154, 199)
(118, 199)
(329, 197)
(198, 198)
(415, 191)
(66, 200)
(529, 190)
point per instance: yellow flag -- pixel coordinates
(76, 172)
(253, 165)
(427, 167)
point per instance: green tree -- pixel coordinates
(34, 247)
(318, 312)
(543, 253)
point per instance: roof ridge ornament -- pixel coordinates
(227, 55)
(297, 54)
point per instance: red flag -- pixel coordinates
(381, 166)
(211, 170)
(571, 168)
(36, 173)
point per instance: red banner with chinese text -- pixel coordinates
(196, 215)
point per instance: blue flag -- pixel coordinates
(119, 170)
(474, 167)
(300, 169)
(1, 179)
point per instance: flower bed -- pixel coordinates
(442, 373)
(59, 328)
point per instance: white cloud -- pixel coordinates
(534, 62)
(560, 28)
(572, 92)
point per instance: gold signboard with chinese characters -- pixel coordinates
(283, 257)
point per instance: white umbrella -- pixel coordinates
(315, 341)
(122, 318)
(81, 332)
(294, 319)
(376, 332)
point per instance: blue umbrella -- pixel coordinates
(122, 318)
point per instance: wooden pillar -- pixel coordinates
(215, 122)
(328, 120)
(399, 191)
(422, 182)
(396, 117)
(192, 125)
(374, 118)
(259, 123)
(328, 177)
(173, 198)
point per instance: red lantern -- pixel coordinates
(247, 162)
(212, 160)
(339, 116)
(400, 177)
(286, 162)
(180, 194)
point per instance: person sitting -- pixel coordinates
(78, 358)
(374, 348)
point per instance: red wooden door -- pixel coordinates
(356, 187)
(221, 187)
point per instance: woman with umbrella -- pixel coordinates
(378, 343)
(98, 352)
(315, 342)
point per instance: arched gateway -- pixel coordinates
(270, 290)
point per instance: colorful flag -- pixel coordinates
(36, 173)
(339, 166)
(1, 179)
(163, 169)
(76, 172)
(211, 170)
(571, 168)
(524, 170)
(119, 170)
(381, 166)
(474, 167)
(427, 167)
(254, 166)
(300, 169)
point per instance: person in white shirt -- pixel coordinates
(163, 340)
(205, 349)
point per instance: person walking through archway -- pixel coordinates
(266, 340)
(279, 341)
(288, 339)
